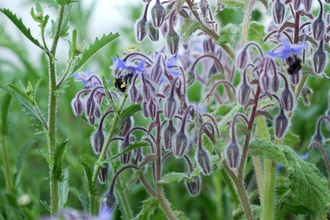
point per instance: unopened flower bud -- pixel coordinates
(158, 70)
(264, 82)
(243, 92)
(90, 106)
(153, 107)
(108, 202)
(318, 28)
(153, 33)
(127, 125)
(91, 120)
(126, 157)
(165, 29)
(194, 188)
(97, 111)
(173, 42)
(275, 83)
(141, 30)
(308, 5)
(278, 12)
(103, 173)
(296, 4)
(170, 107)
(287, 99)
(98, 140)
(318, 138)
(180, 144)
(281, 124)
(77, 106)
(242, 59)
(145, 109)
(233, 154)
(295, 78)
(169, 132)
(158, 14)
(203, 5)
(319, 58)
(203, 161)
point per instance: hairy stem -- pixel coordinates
(52, 110)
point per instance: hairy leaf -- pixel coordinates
(20, 160)
(4, 113)
(174, 178)
(132, 179)
(148, 208)
(88, 170)
(268, 151)
(234, 3)
(256, 33)
(188, 28)
(19, 24)
(60, 151)
(93, 48)
(130, 110)
(64, 189)
(131, 147)
(227, 34)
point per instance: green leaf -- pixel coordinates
(307, 184)
(46, 205)
(291, 139)
(20, 160)
(174, 178)
(267, 151)
(130, 110)
(64, 189)
(4, 113)
(234, 3)
(224, 109)
(132, 179)
(73, 44)
(60, 151)
(19, 24)
(88, 170)
(298, 209)
(188, 28)
(131, 147)
(256, 33)
(44, 154)
(82, 198)
(93, 48)
(227, 34)
(148, 208)
(180, 215)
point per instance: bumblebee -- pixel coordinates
(293, 64)
(122, 82)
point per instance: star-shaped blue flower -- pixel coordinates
(288, 50)
(120, 64)
(89, 80)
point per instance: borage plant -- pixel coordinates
(217, 100)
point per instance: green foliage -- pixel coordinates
(60, 151)
(131, 147)
(149, 206)
(174, 178)
(188, 28)
(227, 34)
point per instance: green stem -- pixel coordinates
(216, 177)
(6, 165)
(123, 198)
(246, 20)
(103, 152)
(52, 109)
(258, 171)
(65, 73)
(164, 204)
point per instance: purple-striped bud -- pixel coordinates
(91, 120)
(173, 42)
(98, 140)
(203, 161)
(169, 132)
(145, 109)
(243, 92)
(158, 14)
(170, 107)
(278, 12)
(77, 106)
(103, 173)
(141, 29)
(153, 108)
(264, 82)
(134, 93)
(233, 155)
(126, 157)
(126, 126)
(90, 105)
(194, 188)
(295, 78)
(97, 111)
(276, 83)
(308, 5)
(158, 69)
(190, 77)
(153, 33)
(281, 124)
(108, 202)
(165, 29)
(318, 137)
(296, 4)
(318, 28)
(242, 59)
(180, 144)
(287, 99)
(203, 5)
(319, 58)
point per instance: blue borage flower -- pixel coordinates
(89, 80)
(301, 156)
(120, 64)
(288, 50)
